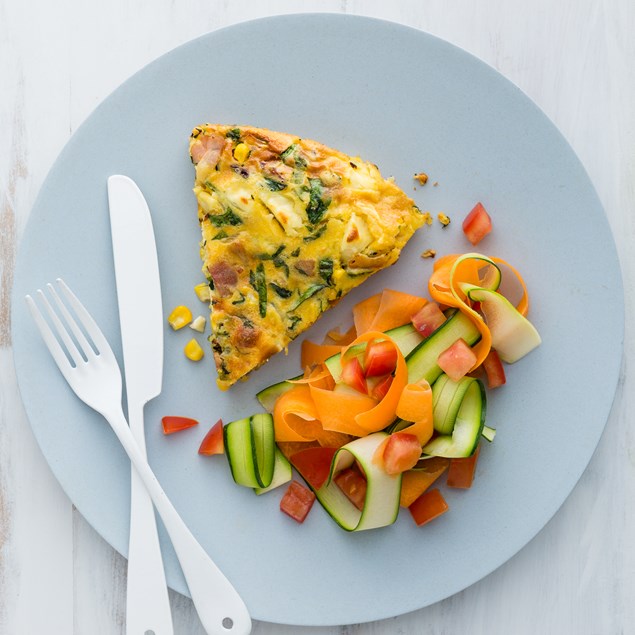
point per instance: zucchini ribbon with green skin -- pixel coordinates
(381, 505)
(461, 421)
(254, 459)
(251, 450)
(513, 335)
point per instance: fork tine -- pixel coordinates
(49, 338)
(87, 321)
(87, 349)
(61, 330)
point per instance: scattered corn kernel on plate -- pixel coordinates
(476, 138)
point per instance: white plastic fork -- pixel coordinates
(95, 377)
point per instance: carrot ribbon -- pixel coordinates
(453, 270)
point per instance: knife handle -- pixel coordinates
(147, 600)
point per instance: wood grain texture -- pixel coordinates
(574, 58)
(35, 515)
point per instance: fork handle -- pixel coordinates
(220, 608)
(147, 600)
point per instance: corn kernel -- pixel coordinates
(443, 219)
(202, 292)
(241, 152)
(193, 350)
(422, 177)
(198, 324)
(180, 317)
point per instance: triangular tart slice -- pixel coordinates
(289, 227)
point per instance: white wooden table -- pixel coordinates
(575, 58)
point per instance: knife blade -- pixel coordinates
(141, 321)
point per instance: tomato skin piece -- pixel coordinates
(401, 452)
(176, 424)
(314, 465)
(353, 484)
(477, 224)
(297, 501)
(457, 360)
(461, 471)
(213, 442)
(428, 319)
(380, 358)
(380, 389)
(428, 506)
(494, 370)
(353, 375)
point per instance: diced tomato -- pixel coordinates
(353, 375)
(352, 482)
(415, 482)
(494, 369)
(461, 471)
(289, 448)
(457, 360)
(314, 464)
(477, 224)
(297, 501)
(381, 388)
(428, 319)
(213, 441)
(428, 506)
(401, 452)
(176, 424)
(380, 358)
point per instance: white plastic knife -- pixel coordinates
(141, 319)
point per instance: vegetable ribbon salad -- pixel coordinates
(379, 413)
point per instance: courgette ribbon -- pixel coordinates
(472, 270)
(381, 503)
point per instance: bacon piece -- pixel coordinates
(225, 278)
(207, 149)
(306, 266)
(246, 336)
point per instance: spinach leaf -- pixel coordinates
(285, 154)
(272, 256)
(292, 152)
(325, 269)
(306, 294)
(228, 218)
(317, 204)
(318, 233)
(294, 320)
(233, 134)
(279, 263)
(281, 291)
(273, 185)
(240, 300)
(259, 283)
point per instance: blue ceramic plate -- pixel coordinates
(408, 102)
